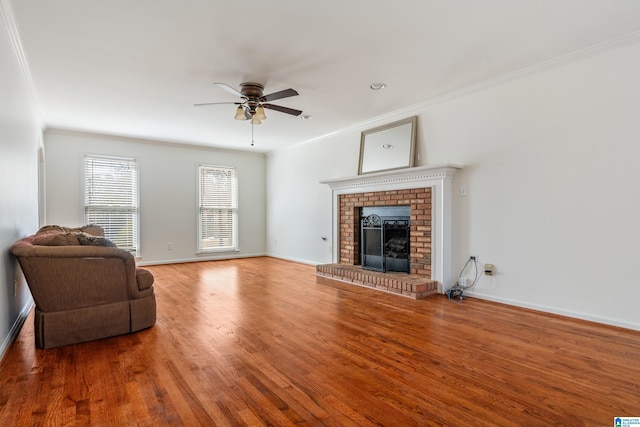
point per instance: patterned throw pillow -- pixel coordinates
(95, 230)
(91, 240)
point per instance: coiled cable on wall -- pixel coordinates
(456, 292)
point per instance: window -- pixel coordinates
(111, 198)
(217, 213)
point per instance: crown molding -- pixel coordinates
(8, 17)
(416, 109)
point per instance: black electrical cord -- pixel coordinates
(477, 273)
(456, 292)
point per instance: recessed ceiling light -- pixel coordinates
(305, 116)
(377, 86)
(387, 146)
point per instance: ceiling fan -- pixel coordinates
(253, 101)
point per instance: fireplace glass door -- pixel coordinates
(384, 244)
(371, 232)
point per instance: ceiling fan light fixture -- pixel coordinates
(240, 114)
(260, 115)
(251, 107)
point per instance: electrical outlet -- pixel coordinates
(473, 257)
(488, 269)
(169, 246)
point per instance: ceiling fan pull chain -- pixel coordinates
(252, 134)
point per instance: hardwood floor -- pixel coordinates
(262, 341)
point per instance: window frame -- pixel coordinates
(234, 246)
(135, 251)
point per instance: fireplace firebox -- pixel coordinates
(385, 242)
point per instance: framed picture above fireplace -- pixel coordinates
(387, 147)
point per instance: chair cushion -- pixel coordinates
(53, 238)
(51, 229)
(144, 278)
(56, 235)
(96, 230)
(56, 239)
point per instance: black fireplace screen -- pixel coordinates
(384, 242)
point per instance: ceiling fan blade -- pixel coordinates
(282, 109)
(279, 95)
(216, 103)
(247, 113)
(229, 89)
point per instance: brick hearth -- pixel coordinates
(409, 285)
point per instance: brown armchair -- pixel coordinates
(83, 292)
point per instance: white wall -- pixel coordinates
(299, 209)
(168, 191)
(19, 136)
(550, 165)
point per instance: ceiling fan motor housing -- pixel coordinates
(252, 90)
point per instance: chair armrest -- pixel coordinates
(144, 279)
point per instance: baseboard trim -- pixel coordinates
(567, 313)
(198, 259)
(298, 260)
(15, 329)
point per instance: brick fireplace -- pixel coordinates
(419, 201)
(427, 191)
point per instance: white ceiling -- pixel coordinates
(135, 68)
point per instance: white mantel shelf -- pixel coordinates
(438, 178)
(395, 177)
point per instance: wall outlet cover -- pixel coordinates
(488, 269)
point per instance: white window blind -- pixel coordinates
(111, 198)
(217, 217)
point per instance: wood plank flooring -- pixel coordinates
(263, 341)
